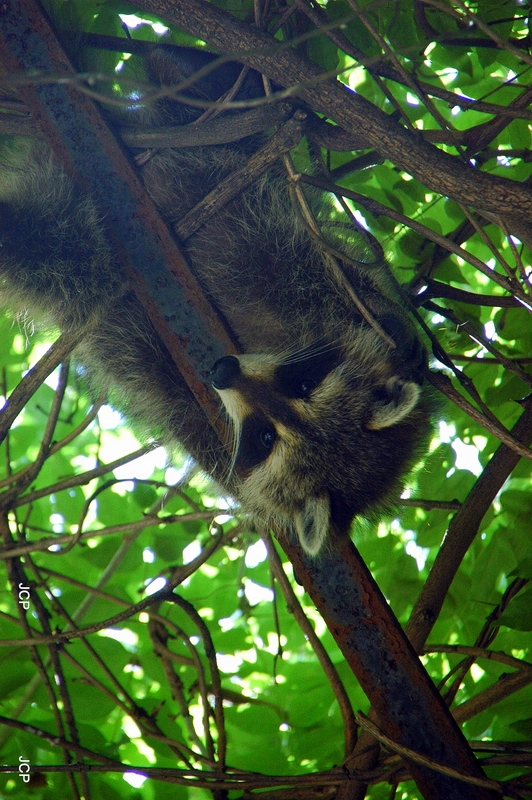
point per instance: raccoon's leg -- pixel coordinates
(125, 352)
(54, 259)
(56, 267)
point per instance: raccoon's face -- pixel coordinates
(321, 435)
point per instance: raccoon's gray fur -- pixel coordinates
(327, 416)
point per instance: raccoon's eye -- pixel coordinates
(305, 387)
(267, 437)
(257, 440)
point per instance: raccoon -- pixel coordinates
(327, 414)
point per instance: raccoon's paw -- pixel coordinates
(312, 524)
(396, 400)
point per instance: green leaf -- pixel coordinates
(523, 569)
(518, 615)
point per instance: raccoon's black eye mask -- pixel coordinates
(297, 379)
(257, 439)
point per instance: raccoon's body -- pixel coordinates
(327, 415)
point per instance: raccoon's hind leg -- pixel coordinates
(54, 259)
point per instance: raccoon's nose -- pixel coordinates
(224, 372)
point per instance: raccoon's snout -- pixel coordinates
(224, 372)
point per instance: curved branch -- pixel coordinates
(462, 531)
(436, 169)
(348, 717)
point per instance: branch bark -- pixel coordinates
(407, 704)
(439, 171)
(189, 326)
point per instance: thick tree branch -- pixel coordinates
(434, 168)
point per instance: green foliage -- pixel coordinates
(95, 533)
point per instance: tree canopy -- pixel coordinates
(233, 682)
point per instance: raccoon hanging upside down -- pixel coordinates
(328, 410)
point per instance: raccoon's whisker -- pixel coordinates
(307, 352)
(233, 444)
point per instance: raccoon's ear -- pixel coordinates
(396, 400)
(312, 524)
